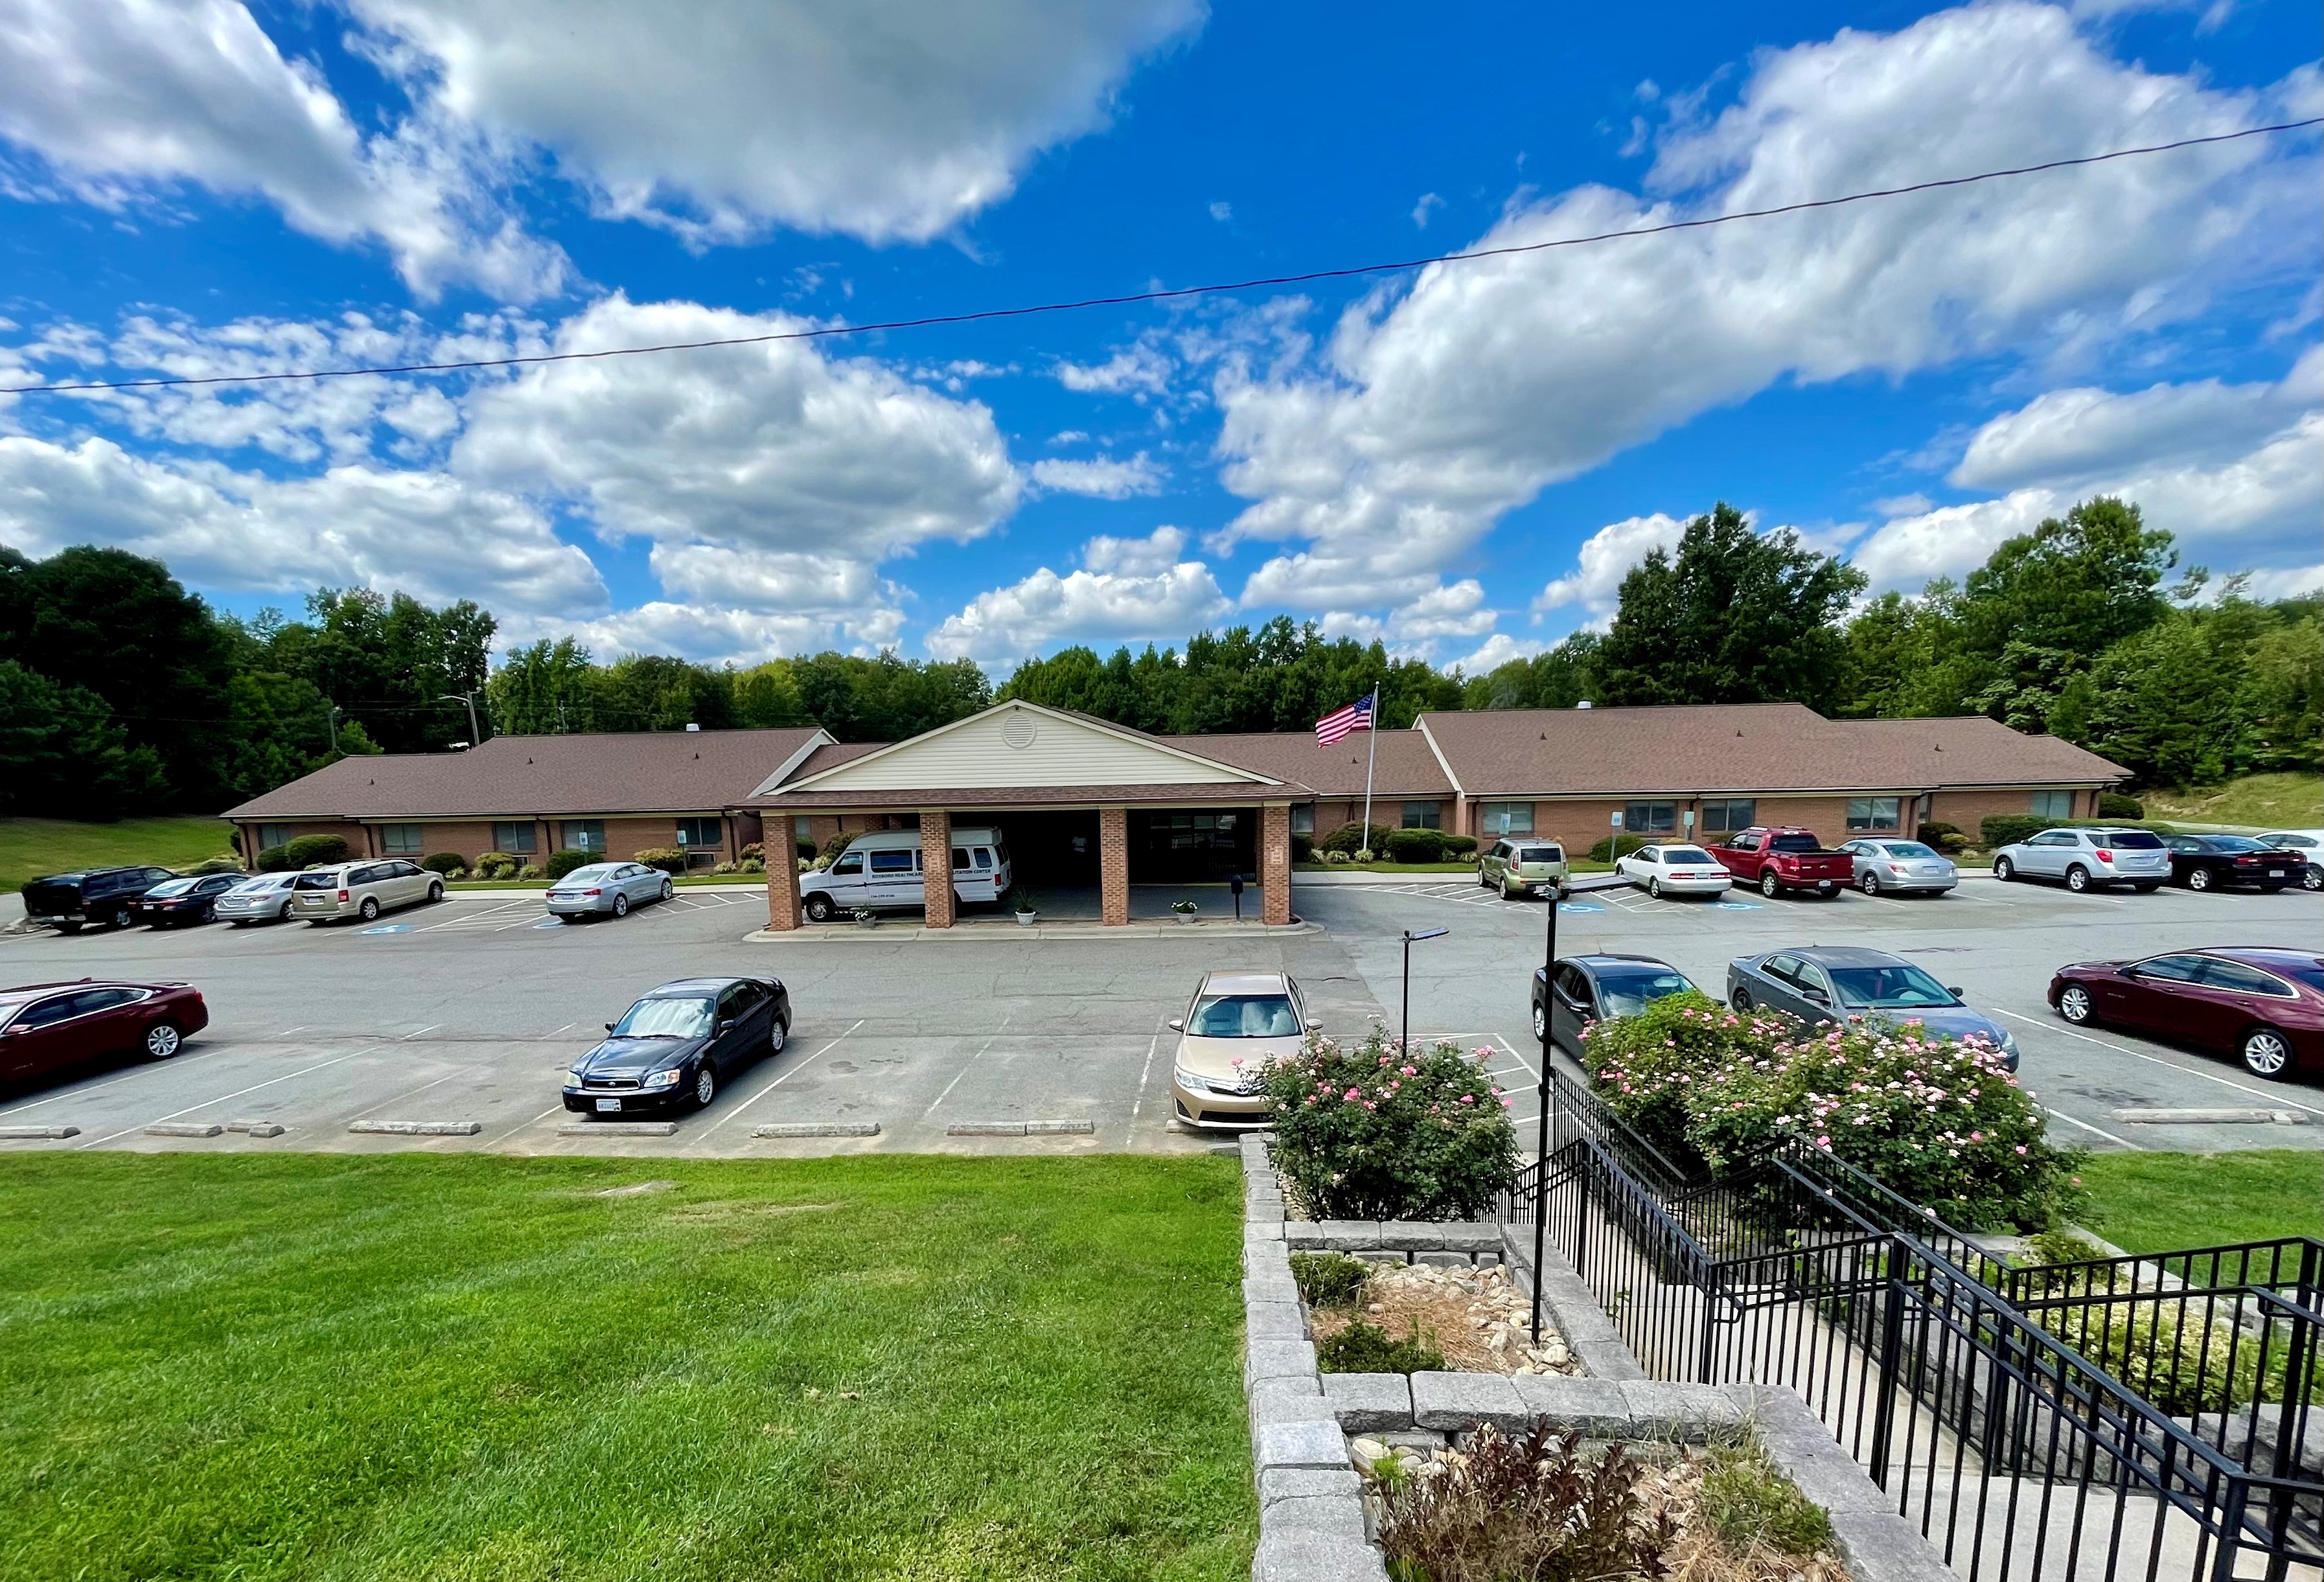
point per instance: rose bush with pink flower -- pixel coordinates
(1375, 1132)
(1938, 1121)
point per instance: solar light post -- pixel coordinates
(1404, 1043)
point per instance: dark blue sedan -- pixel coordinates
(677, 1046)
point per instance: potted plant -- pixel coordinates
(1185, 909)
(1025, 913)
(865, 917)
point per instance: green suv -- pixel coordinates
(1519, 866)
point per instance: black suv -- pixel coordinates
(103, 896)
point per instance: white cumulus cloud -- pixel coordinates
(1126, 590)
(1605, 558)
(1100, 477)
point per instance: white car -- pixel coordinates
(1673, 870)
(2308, 844)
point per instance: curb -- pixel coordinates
(618, 1128)
(37, 1134)
(418, 1128)
(1022, 1129)
(818, 1128)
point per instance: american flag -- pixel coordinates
(1356, 716)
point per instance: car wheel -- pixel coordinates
(1654, 887)
(818, 909)
(1484, 879)
(162, 1040)
(705, 1086)
(1505, 886)
(2077, 879)
(621, 905)
(209, 914)
(1741, 999)
(779, 1037)
(1770, 886)
(369, 910)
(283, 912)
(2074, 1004)
(435, 893)
(667, 889)
(2313, 879)
(1540, 1023)
(123, 918)
(1870, 883)
(2266, 1052)
(2198, 879)
(2003, 870)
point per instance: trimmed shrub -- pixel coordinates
(1415, 845)
(1614, 846)
(1351, 839)
(1367, 1348)
(450, 864)
(1379, 1132)
(1460, 845)
(2115, 805)
(803, 850)
(1303, 848)
(529, 870)
(1940, 1122)
(274, 860)
(755, 865)
(669, 858)
(1337, 857)
(564, 861)
(1329, 1279)
(2006, 829)
(1949, 839)
(308, 850)
(2182, 1360)
(725, 869)
(830, 847)
(757, 849)
(496, 865)
(214, 865)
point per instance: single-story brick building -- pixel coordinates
(1083, 802)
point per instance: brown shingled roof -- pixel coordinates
(1406, 766)
(645, 771)
(1691, 750)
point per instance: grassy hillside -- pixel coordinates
(31, 847)
(2259, 802)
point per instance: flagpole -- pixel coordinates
(1370, 763)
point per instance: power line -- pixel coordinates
(984, 315)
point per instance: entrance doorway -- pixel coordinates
(1058, 851)
(1174, 846)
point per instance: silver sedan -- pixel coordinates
(607, 887)
(1900, 866)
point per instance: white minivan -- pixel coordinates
(881, 871)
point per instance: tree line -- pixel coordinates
(120, 692)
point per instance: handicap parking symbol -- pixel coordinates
(550, 923)
(1580, 907)
(390, 928)
(1737, 905)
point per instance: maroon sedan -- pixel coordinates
(2264, 1003)
(46, 1026)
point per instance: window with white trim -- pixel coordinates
(1874, 812)
(1508, 818)
(400, 840)
(2054, 804)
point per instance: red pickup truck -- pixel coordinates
(1786, 859)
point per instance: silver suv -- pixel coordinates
(2088, 859)
(363, 889)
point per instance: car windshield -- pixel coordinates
(1908, 849)
(1539, 854)
(1631, 992)
(666, 1018)
(1243, 1015)
(2133, 841)
(1901, 988)
(1792, 844)
(1685, 854)
(172, 886)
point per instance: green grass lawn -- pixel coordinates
(475, 1369)
(31, 847)
(2164, 1202)
(2258, 802)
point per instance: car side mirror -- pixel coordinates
(1178, 1024)
(1955, 990)
(609, 1026)
(727, 1026)
(1817, 995)
(1314, 1026)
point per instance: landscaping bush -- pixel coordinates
(1351, 839)
(1524, 1507)
(1367, 1348)
(1940, 1122)
(529, 870)
(1415, 845)
(1337, 857)
(1460, 845)
(564, 861)
(274, 860)
(1614, 846)
(1329, 1279)
(725, 869)
(2006, 829)
(1303, 848)
(214, 865)
(830, 847)
(804, 850)
(1949, 839)
(2115, 805)
(1751, 1504)
(755, 865)
(2172, 1353)
(496, 865)
(757, 849)
(1377, 1132)
(669, 858)
(450, 864)
(309, 850)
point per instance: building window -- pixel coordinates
(700, 831)
(272, 835)
(400, 840)
(1724, 818)
(586, 834)
(1509, 818)
(2054, 804)
(1303, 818)
(1422, 815)
(1873, 812)
(1650, 818)
(515, 838)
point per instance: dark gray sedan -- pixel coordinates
(1595, 988)
(607, 889)
(1825, 983)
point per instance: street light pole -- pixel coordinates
(476, 732)
(1403, 1043)
(1541, 1143)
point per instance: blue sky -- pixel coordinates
(1461, 462)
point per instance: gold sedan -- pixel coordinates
(1236, 1024)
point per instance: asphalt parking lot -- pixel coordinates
(470, 1010)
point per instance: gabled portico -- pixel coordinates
(1055, 775)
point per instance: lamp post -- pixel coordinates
(1403, 1043)
(1541, 1143)
(469, 698)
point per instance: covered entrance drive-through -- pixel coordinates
(1080, 803)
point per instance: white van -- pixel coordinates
(882, 870)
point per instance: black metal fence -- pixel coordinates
(2136, 1417)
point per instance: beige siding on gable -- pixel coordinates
(1010, 747)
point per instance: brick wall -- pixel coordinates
(1113, 863)
(783, 910)
(1965, 809)
(1273, 864)
(936, 868)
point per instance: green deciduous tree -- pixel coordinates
(1564, 676)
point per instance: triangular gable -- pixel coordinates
(1017, 743)
(806, 750)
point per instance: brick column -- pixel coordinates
(784, 910)
(1274, 865)
(936, 868)
(1113, 864)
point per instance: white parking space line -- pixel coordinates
(2275, 1100)
(963, 1070)
(413, 1094)
(786, 1076)
(525, 1126)
(238, 1093)
(430, 1028)
(78, 1092)
(2096, 1131)
(1147, 1070)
